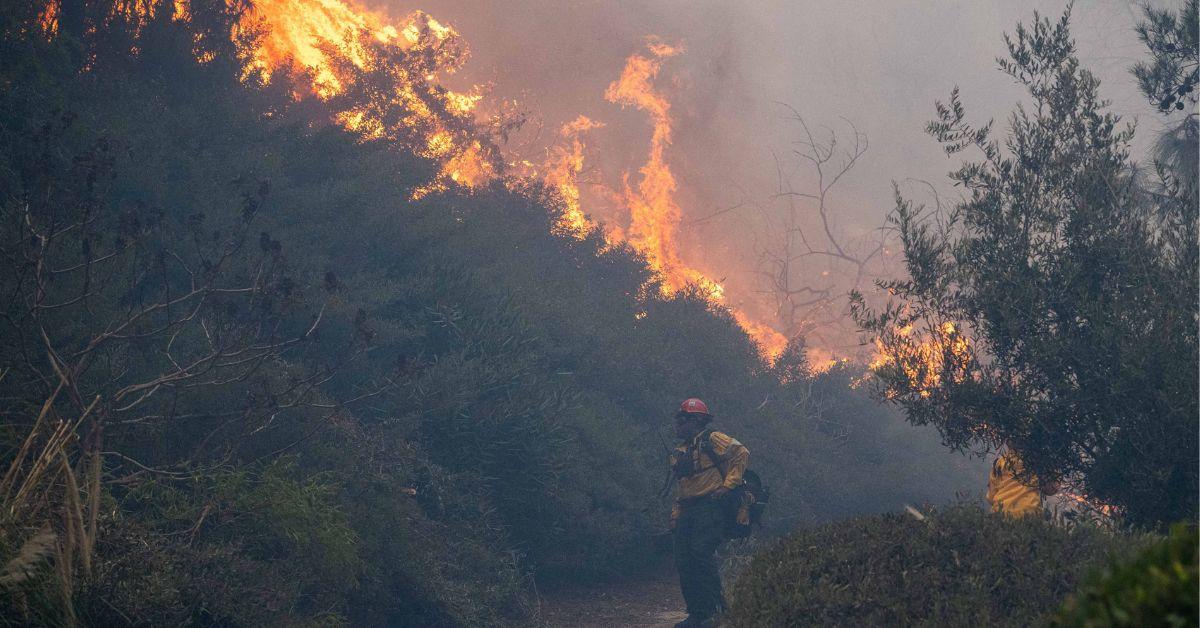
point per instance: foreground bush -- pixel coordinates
(1159, 587)
(960, 566)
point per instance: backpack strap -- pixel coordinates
(705, 447)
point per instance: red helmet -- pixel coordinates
(694, 406)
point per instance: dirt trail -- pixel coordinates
(648, 603)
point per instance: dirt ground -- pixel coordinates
(652, 602)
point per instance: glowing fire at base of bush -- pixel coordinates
(1097, 511)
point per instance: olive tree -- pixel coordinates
(1053, 307)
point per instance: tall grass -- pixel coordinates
(48, 511)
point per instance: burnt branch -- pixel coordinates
(806, 262)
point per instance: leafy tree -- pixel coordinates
(1169, 80)
(1054, 307)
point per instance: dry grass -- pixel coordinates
(47, 513)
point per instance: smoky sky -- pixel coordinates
(876, 65)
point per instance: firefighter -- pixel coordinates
(1013, 491)
(707, 465)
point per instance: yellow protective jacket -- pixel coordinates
(1009, 495)
(723, 453)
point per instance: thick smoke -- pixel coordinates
(874, 65)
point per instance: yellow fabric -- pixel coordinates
(707, 478)
(1009, 495)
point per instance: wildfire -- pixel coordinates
(48, 20)
(316, 35)
(654, 215)
(945, 351)
(771, 342)
(821, 360)
(562, 174)
(327, 41)
(380, 77)
(180, 10)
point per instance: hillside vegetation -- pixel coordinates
(247, 379)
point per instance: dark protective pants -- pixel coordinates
(699, 531)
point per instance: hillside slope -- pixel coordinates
(318, 400)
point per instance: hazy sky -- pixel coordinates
(879, 64)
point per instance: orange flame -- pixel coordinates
(318, 37)
(48, 20)
(653, 212)
(562, 175)
(821, 360)
(323, 42)
(1105, 512)
(183, 9)
(924, 361)
(303, 34)
(180, 10)
(770, 342)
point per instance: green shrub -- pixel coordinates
(258, 545)
(1159, 587)
(959, 566)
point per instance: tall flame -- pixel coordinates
(336, 50)
(317, 35)
(303, 34)
(562, 175)
(654, 215)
